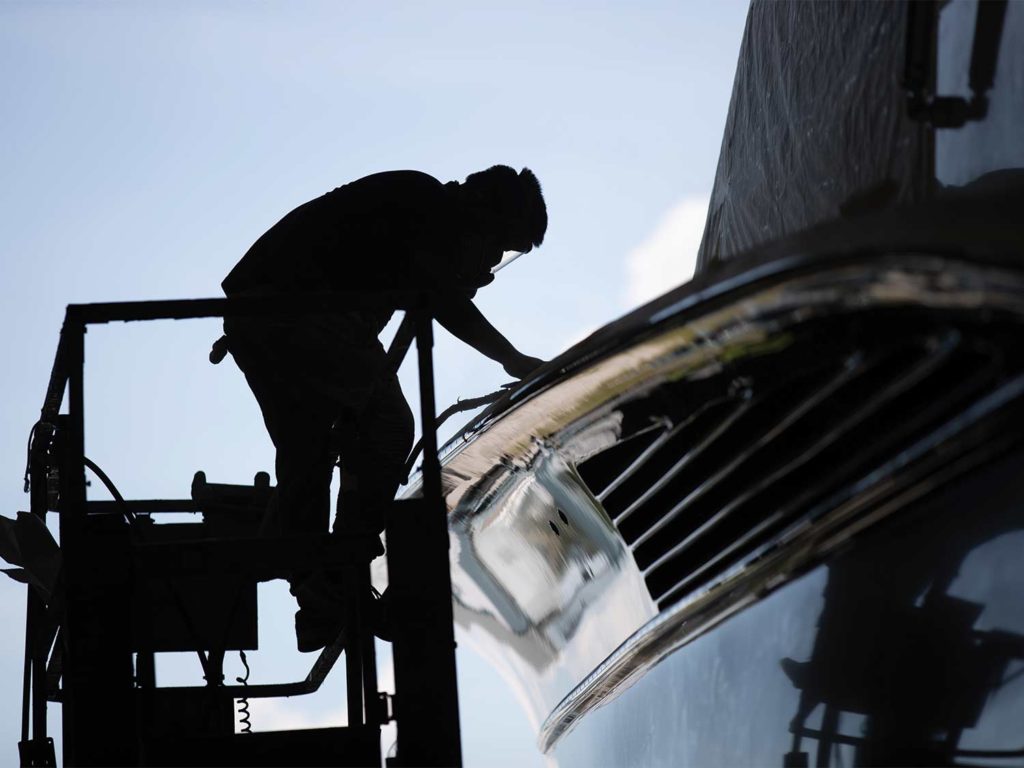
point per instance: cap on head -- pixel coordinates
(515, 199)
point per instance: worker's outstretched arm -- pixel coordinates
(459, 315)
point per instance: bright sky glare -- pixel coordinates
(145, 146)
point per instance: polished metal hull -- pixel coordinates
(775, 516)
(770, 517)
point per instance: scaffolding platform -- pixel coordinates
(123, 586)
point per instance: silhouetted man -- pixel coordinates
(393, 231)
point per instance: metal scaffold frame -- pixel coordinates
(77, 650)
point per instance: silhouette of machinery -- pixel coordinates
(123, 587)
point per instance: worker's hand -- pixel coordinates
(522, 366)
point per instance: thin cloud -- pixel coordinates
(668, 256)
(274, 715)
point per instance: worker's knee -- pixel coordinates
(405, 427)
(390, 426)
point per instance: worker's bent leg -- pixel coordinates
(298, 420)
(304, 466)
(383, 441)
(304, 374)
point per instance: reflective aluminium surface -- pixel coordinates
(766, 519)
(903, 650)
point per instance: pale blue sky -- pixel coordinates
(143, 147)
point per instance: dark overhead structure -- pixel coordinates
(842, 110)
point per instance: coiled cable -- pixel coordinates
(244, 723)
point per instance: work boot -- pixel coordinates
(318, 622)
(320, 591)
(314, 631)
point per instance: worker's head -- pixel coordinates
(509, 203)
(503, 211)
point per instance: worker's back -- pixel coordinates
(358, 236)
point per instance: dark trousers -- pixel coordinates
(313, 378)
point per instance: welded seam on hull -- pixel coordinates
(842, 516)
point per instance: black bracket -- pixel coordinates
(923, 105)
(37, 753)
(385, 709)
